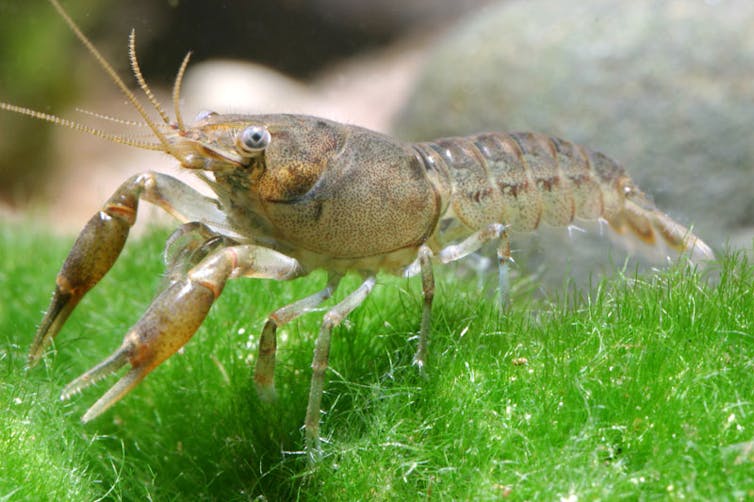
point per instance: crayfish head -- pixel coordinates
(284, 155)
(218, 143)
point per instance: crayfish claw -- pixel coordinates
(104, 369)
(173, 317)
(94, 252)
(115, 393)
(61, 306)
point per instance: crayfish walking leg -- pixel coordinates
(451, 253)
(428, 290)
(264, 370)
(320, 361)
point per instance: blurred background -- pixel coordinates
(292, 55)
(665, 87)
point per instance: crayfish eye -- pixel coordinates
(253, 139)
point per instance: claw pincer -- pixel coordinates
(97, 247)
(166, 326)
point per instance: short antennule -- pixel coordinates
(107, 67)
(177, 91)
(140, 77)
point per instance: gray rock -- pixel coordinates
(665, 87)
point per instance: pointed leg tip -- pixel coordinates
(31, 361)
(314, 451)
(420, 363)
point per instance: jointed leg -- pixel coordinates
(187, 246)
(321, 356)
(452, 253)
(472, 243)
(476, 241)
(264, 370)
(175, 315)
(428, 289)
(102, 239)
(503, 260)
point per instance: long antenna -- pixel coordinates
(81, 127)
(110, 118)
(114, 77)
